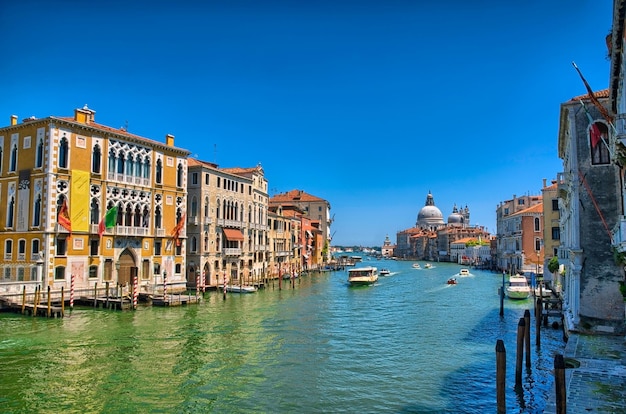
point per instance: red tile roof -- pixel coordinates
(294, 195)
(604, 93)
(537, 208)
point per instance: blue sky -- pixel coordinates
(368, 104)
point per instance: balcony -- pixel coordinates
(193, 220)
(563, 185)
(230, 251)
(131, 231)
(619, 234)
(229, 223)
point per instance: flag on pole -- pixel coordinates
(108, 221)
(64, 216)
(178, 229)
(593, 98)
(596, 135)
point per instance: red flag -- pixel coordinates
(178, 228)
(64, 217)
(593, 98)
(596, 135)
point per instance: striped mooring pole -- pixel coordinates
(135, 292)
(72, 292)
(165, 286)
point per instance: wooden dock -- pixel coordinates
(174, 300)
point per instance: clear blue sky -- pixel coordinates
(368, 104)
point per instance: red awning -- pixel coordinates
(233, 234)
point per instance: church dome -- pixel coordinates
(429, 214)
(455, 217)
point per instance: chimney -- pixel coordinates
(169, 140)
(13, 120)
(544, 182)
(84, 115)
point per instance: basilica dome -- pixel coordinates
(429, 215)
(455, 217)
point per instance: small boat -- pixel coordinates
(416, 266)
(384, 272)
(518, 288)
(427, 266)
(362, 276)
(543, 292)
(240, 289)
(464, 272)
(452, 281)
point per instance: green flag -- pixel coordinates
(110, 217)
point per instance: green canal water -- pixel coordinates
(409, 344)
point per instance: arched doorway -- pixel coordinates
(127, 269)
(207, 274)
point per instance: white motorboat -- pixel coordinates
(543, 292)
(416, 266)
(518, 287)
(464, 272)
(427, 266)
(240, 289)
(362, 276)
(384, 272)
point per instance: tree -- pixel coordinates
(553, 265)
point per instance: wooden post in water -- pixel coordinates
(62, 302)
(49, 309)
(501, 376)
(539, 312)
(502, 296)
(280, 279)
(224, 290)
(35, 297)
(521, 328)
(23, 299)
(95, 294)
(527, 336)
(107, 293)
(559, 383)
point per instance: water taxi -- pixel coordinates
(518, 288)
(464, 272)
(416, 266)
(427, 266)
(452, 281)
(362, 276)
(384, 272)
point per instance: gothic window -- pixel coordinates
(112, 158)
(179, 176)
(37, 212)
(39, 154)
(146, 217)
(10, 211)
(63, 152)
(120, 214)
(157, 217)
(146, 169)
(94, 217)
(13, 160)
(120, 164)
(206, 206)
(137, 218)
(194, 244)
(194, 207)
(96, 158)
(537, 224)
(159, 171)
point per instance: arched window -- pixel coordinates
(194, 244)
(179, 176)
(96, 158)
(8, 249)
(112, 159)
(537, 224)
(95, 212)
(137, 218)
(120, 164)
(10, 211)
(146, 169)
(37, 212)
(63, 152)
(13, 160)
(206, 206)
(120, 214)
(159, 172)
(157, 217)
(146, 217)
(598, 143)
(38, 154)
(194, 207)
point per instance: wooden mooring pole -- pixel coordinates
(49, 308)
(23, 299)
(62, 302)
(502, 296)
(521, 328)
(538, 316)
(559, 383)
(527, 336)
(501, 376)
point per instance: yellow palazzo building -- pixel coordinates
(73, 164)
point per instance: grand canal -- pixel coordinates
(409, 344)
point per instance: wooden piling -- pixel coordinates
(501, 376)
(502, 297)
(49, 309)
(538, 312)
(527, 336)
(23, 299)
(95, 294)
(106, 284)
(521, 328)
(559, 383)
